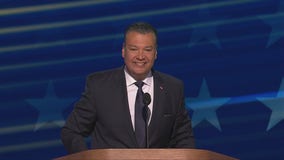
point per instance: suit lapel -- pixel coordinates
(158, 103)
(129, 126)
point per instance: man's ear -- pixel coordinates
(123, 51)
(156, 54)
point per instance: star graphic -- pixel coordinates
(276, 105)
(207, 32)
(204, 107)
(50, 108)
(276, 22)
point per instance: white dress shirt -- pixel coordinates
(148, 87)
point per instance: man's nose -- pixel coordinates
(141, 54)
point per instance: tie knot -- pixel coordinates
(139, 84)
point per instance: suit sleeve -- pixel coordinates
(182, 136)
(80, 122)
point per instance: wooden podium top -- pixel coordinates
(146, 154)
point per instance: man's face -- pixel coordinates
(139, 53)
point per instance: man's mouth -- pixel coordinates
(140, 63)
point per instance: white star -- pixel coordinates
(276, 104)
(50, 108)
(205, 32)
(204, 107)
(276, 22)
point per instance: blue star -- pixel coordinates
(276, 21)
(207, 32)
(50, 108)
(204, 107)
(276, 104)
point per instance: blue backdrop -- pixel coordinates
(230, 55)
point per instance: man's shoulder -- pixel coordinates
(112, 73)
(167, 77)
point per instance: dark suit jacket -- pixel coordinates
(103, 112)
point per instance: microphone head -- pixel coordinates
(146, 98)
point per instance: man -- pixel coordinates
(106, 109)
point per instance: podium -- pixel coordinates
(146, 154)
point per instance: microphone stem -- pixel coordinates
(148, 112)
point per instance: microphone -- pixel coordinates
(146, 115)
(146, 99)
(147, 112)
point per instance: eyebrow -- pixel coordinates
(130, 45)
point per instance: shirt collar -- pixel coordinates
(130, 80)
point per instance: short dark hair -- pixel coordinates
(141, 27)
